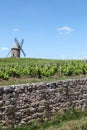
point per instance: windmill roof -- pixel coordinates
(15, 46)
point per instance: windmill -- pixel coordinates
(15, 51)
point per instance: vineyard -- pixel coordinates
(39, 68)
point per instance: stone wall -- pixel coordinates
(21, 104)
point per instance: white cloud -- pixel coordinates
(15, 29)
(4, 48)
(84, 53)
(65, 30)
(63, 56)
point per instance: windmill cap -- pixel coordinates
(15, 46)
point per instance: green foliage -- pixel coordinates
(38, 68)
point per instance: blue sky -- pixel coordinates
(53, 29)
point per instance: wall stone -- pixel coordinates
(22, 104)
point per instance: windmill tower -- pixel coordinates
(17, 49)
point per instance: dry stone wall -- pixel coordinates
(22, 104)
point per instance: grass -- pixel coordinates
(80, 124)
(69, 120)
(24, 80)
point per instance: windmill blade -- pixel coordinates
(17, 42)
(8, 53)
(23, 52)
(21, 44)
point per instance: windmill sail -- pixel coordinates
(8, 53)
(23, 52)
(21, 44)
